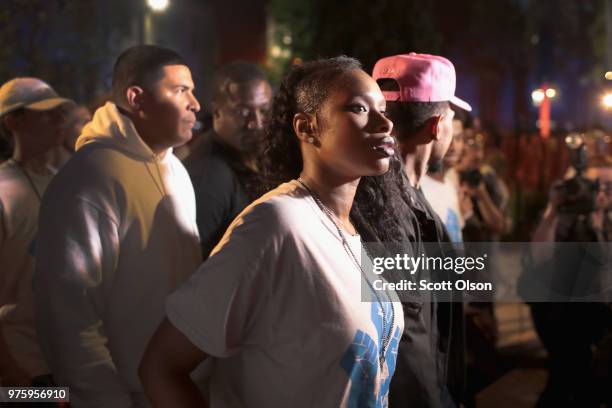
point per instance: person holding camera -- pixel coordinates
(487, 191)
(576, 219)
(483, 199)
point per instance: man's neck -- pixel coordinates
(415, 162)
(31, 159)
(157, 148)
(247, 158)
(415, 168)
(409, 169)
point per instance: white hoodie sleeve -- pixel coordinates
(76, 261)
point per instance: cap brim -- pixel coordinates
(48, 104)
(392, 96)
(460, 103)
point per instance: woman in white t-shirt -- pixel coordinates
(284, 307)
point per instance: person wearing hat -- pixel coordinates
(31, 113)
(419, 89)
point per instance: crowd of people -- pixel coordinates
(234, 276)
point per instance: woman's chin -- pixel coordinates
(380, 167)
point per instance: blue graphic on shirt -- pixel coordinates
(360, 362)
(453, 227)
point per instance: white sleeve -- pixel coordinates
(76, 259)
(216, 308)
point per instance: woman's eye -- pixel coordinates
(384, 113)
(358, 108)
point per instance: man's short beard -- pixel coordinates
(249, 140)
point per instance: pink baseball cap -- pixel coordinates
(420, 77)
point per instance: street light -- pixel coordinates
(542, 97)
(606, 100)
(538, 96)
(158, 5)
(154, 6)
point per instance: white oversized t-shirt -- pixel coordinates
(444, 199)
(279, 307)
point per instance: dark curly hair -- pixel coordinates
(381, 202)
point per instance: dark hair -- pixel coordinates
(236, 72)
(140, 65)
(409, 117)
(463, 116)
(380, 202)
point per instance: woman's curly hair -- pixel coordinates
(380, 208)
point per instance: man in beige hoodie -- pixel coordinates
(117, 231)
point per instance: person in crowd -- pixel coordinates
(483, 201)
(488, 193)
(419, 89)
(222, 164)
(76, 117)
(278, 305)
(444, 196)
(31, 113)
(118, 232)
(570, 255)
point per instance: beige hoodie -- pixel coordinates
(117, 234)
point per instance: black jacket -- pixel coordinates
(220, 181)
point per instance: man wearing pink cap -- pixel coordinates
(31, 114)
(419, 89)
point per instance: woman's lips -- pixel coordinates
(385, 146)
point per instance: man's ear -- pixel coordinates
(433, 126)
(134, 96)
(9, 121)
(305, 127)
(215, 110)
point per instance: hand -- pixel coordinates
(555, 195)
(465, 202)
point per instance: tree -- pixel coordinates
(362, 29)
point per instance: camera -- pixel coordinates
(578, 194)
(472, 178)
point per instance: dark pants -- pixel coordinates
(568, 330)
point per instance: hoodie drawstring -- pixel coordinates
(161, 188)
